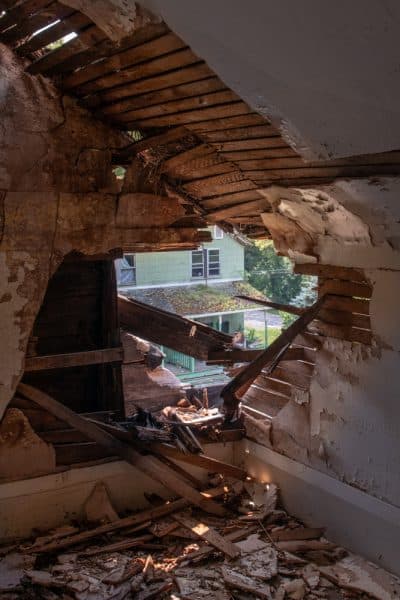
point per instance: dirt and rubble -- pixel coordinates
(168, 551)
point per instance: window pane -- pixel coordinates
(128, 261)
(213, 255)
(213, 270)
(198, 271)
(127, 276)
(197, 258)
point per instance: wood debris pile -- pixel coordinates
(175, 550)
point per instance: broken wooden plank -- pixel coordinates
(355, 305)
(143, 517)
(345, 288)
(200, 460)
(119, 546)
(305, 545)
(234, 536)
(289, 308)
(74, 359)
(341, 332)
(238, 581)
(330, 272)
(207, 533)
(168, 329)
(298, 533)
(269, 358)
(147, 464)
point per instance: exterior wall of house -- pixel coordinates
(234, 322)
(166, 268)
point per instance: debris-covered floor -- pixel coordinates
(177, 551)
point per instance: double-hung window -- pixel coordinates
(198, 264)
(205, 263)
(128, 270)
(213, 264)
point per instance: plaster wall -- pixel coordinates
(42, 503)
(58, 194)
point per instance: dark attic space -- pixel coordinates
(187, 130)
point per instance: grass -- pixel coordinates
(272, 334)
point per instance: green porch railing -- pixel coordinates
(181, 360)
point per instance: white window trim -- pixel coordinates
(197, 277)
(133, 269)
(218, 233)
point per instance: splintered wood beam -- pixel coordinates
(267, 360)
(171, 330)
(289, 308)
(74, 359)
(212, 465)
(147, 464)
(131, 521)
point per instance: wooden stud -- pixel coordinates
(74, 359)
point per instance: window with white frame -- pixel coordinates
(213, 264)
(198, 263)
(218, 234)
(127, 275)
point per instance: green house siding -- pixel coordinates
(167, 268)
(231, 323)
(160, 268)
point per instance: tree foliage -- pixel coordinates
(270, 273)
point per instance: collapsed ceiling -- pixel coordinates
(200, 142)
